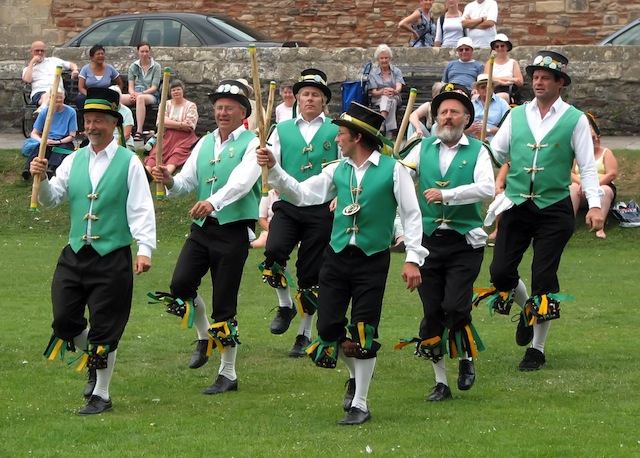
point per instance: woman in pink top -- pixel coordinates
(180, 119)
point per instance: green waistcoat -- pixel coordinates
(378, 207)
(460, 218)
(296, 156)
(106, 206)
(553, 165)
(213, 174)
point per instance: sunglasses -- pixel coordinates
(465, 49)
(501, 45)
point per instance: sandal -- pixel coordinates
(137, 136)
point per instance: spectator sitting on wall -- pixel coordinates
(465, 70)
(40, 72)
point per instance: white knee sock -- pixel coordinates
(364, 373)
(81, 340)
(540, 331)
(103, 378)
(440, 371)
(305, 326)
(284, 297)
(350, 363)
(200, 320)
(228, 362)
(520, 297)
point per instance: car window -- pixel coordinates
(231, 32)
(114, 33)
(628, 37)
(167, 32)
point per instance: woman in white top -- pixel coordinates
(506, 71)
(449, 26)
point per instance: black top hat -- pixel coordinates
(232, 89)
(314, 78)
(362, 119)
(552, 61)
(103, 100)
(457, 92)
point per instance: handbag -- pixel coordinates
(627, 214)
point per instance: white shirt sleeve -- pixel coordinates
(410, 215)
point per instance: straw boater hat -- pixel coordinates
(502, 38)
(232, 89)
(551, 61)
(103, 100)
(314, 78)
(363, 120)
(483, 78)
(457, 92)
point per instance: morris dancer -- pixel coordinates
(455, 175)
(300, 146)
(541, 139)
(95, 268)
(369, 187)
(223, 170)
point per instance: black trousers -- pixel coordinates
(222, 250)
(549, 229)
(350, 276)
(104, 284)
(311, 226)
(447, 274)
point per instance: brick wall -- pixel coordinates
(326, 23)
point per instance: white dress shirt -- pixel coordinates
(482, 188)
(240, 181)
(320, 188)
(581, 143)
(140, 213)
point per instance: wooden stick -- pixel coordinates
(262, 132)
(45, 135)
(405, 120)
(487, 100)
(270, 103)
(162, 108)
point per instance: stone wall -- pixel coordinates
(606, 80)
(326, 23)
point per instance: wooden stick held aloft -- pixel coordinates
(162, 108)
(45, 135)
(262, 132)
(270, 103)
(487, 100)
(405, 120)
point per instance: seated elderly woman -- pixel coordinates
(607, 167)
(180, 120)
(385, 86)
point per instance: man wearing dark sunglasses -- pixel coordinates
(465, 70)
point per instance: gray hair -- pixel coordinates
(382, 48)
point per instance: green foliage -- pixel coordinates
(584, 403)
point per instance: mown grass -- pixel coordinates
(584, 403)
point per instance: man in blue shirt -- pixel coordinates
(465, 70)
(498, 108)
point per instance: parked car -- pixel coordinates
(173, 30)
(628, 35)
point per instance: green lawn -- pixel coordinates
(584, 403)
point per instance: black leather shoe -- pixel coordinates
(282, 320)
(355, 417)
(199, 357)
(297, 351)
(222, 385)
(95, 406)
(466, 374)
(524, 334)
(349, 394)
(532, 361)
(91, 384)
(441, 392)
